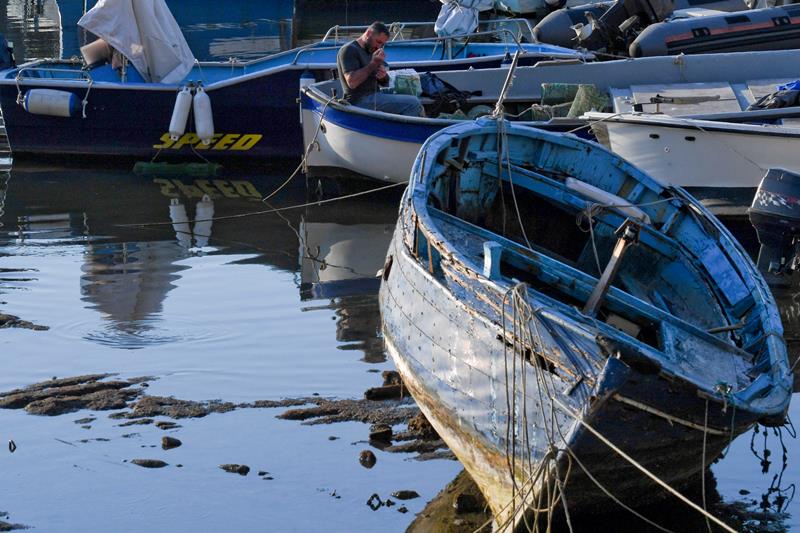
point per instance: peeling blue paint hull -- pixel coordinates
(685, 346)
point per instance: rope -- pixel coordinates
(267, 211)
(85, 100)
(642, 469)
(614, 498)
(304, 160)
(594, 209)
(703, 470)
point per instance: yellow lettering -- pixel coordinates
(223, 186)
(188, 190)
(167, 188)
(207, 188)
(247, 142)
(226, 141)
(246, 189)
(189, 138)
(166, 142)
(214, 139)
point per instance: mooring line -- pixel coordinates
(641, 467)
(266, 211)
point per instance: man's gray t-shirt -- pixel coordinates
(353, 57)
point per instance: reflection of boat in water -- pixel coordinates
(339, 262)
(128, 272)
(337, 259)
(541, 353)
(34, 26)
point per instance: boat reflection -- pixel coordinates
(339, 262)
(34, 26)
(460, 508)
(127, 272)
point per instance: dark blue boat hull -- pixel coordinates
(255, 119)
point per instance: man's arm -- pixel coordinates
(356, 77)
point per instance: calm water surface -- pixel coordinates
(263, 307)
(255, 308)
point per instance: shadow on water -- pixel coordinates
(460, 507)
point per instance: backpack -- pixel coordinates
(446, 98)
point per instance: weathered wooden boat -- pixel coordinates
(252, 107)
(532, 354)
(383, 146)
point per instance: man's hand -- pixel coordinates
(378, 57)
(381, 73)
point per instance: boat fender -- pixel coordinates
(607, 199)
(180, 114)
(203, 117)
(628, 355)
(51, 102)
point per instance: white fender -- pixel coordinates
(203, 117)
(180, 114)
(51, 102)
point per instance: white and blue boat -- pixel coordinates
(356, 141)
(550, 307)
(251, 107)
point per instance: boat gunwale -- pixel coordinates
(296, 64)
(320, 100)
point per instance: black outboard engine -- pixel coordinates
(6, 54)
(775, 214)
(622, 22)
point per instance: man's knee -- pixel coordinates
(411, 105)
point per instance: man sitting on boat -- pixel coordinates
(362, 70)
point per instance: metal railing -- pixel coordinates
(448, 54)
(397, 29)
(72, 74)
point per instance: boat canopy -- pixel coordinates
(146, 33)
(458, 17)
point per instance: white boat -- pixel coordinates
(351, 140)
(698, 153)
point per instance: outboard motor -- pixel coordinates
(775, 214)
(613, 29)
(6, 54)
